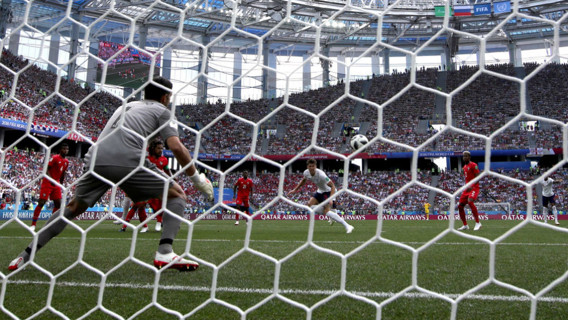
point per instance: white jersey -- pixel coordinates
(320, 179)
(547, 187)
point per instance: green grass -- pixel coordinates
(308, 277)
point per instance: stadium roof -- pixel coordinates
(353, 25)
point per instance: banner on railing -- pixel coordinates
(97, 215)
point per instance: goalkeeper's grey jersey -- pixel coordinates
(320, 179)
(119, 147)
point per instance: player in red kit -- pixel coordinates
(155, 156)
(471, 171)
(56, 170)
(243, 189)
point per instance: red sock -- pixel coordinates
(462, 214)
(159, 218)
(474, 212)
(37, 211)
(142, 214)
(129, 215)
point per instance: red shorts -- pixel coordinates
(243, 202)
(49, 191)
(155, 204)
(473, 194)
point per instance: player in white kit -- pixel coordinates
(326, 189)
(548, 202)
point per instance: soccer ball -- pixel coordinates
(358, 141)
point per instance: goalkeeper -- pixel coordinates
(116, 155)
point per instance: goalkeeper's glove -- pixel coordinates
(202, 184)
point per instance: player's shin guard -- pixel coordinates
(171, 224)
(461, 210)
(474, 211)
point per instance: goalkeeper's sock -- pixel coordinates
(171, 224)
(37, 211)
(474, 212)
(462, 215)
(332, 214)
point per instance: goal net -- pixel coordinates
(262, 86)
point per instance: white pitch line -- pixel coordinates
(287, 291)
(315, 241)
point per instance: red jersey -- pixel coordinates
(244, 187)
(161, 162)
(471, 171)
(57, 166)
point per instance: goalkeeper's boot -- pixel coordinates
(171, 260)
(477, 226)
(463, 228)
(16, 264)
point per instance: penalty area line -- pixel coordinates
(367, 294)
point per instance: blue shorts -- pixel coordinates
(321, 197)
(547, 200)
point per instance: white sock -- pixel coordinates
(332, 214)
(545, 214)
(555, 212)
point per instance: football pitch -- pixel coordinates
(284, 271)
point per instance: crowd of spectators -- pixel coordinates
(52, 106)
(474, 109)
(54, 102)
